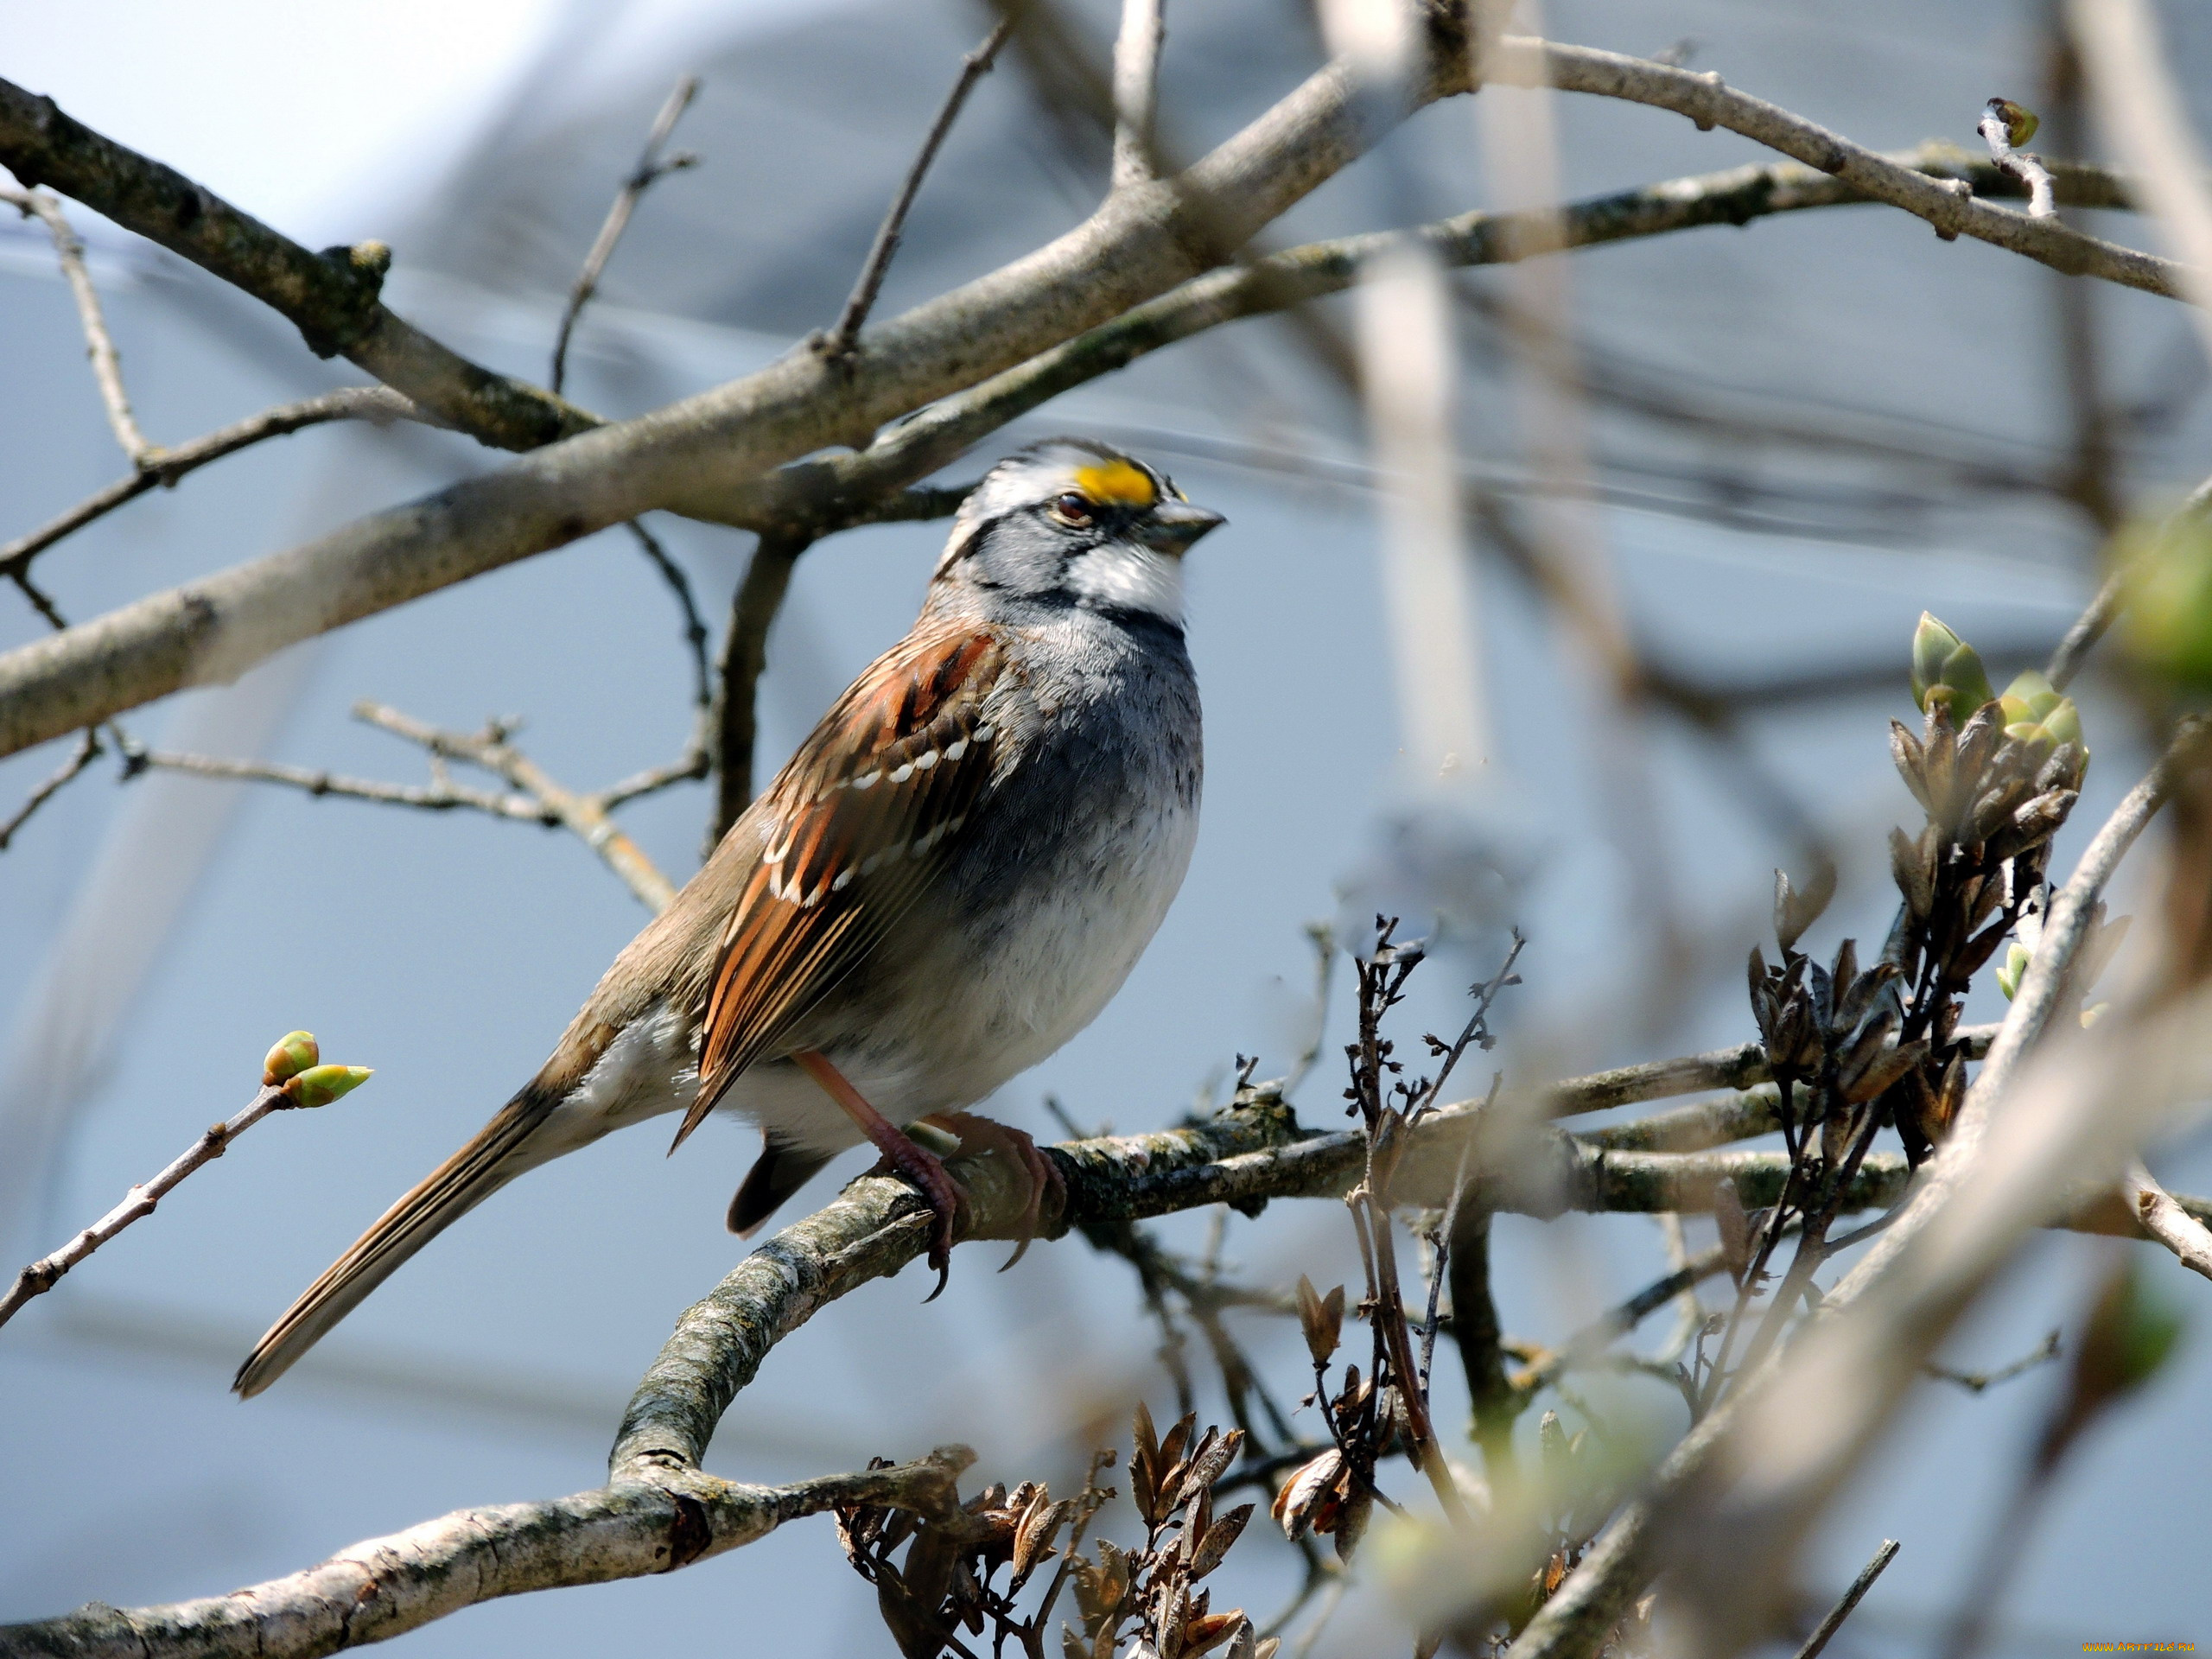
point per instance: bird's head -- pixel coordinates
(1071, 522)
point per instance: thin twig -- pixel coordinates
(840, 341)
(695, 630)
(585, 816)
(752, 612)
(1842, 1610)
(1136, 91)
(99, 345)
(650, 168)
(439, 797)
(1981, 1382)
(379, 405)
(45, 1273)
(40, 602)
(88, 749)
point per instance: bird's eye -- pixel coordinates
(1072, 508)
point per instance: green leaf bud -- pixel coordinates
(2010, 970)
(295, 1053)
(321, 1084)
(2063, 724)
(1932, 645)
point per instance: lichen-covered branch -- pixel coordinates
(648, 1522)
(659, 1511)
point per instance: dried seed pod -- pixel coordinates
(1213, 1456)
(1351, 1524)
(1884, 1068)
(1910, 867)
(1218, 1538)
(1321, 1318)
(1311, 1499)
(1203, 1634)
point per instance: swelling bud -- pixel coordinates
(321, 1084)
(295, 1053)
(1946, 671)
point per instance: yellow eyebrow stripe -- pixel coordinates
(1118, 483)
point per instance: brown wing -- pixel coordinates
(854, 826)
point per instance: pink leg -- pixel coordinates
(981, 1134)
(900, 1152)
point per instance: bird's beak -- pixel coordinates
(1172, 527)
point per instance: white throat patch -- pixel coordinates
(1129, 577)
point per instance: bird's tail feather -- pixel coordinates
(487, 1163)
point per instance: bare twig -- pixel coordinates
(695, 630)
(379, 405)
(1859, 1585)
(2140, 108)
(2167, 1222)
(651, 168)
(99, 344)
(1981, 1382)
(330, 297)
(219, 626)
(88, 749)
(45, 1273)
(841, 339)
(585, 816)
(40, 600)
(1136, 90)
(1950, 209)
(752, 614)
(443, 795)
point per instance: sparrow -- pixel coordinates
(950, 877)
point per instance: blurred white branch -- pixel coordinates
(2137, 106)
(1408, 367)
(1136, 90)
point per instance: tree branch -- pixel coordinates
(99, 345)
(331, 298)
(442, 796)
(87, 750)
(972, 68)
(659, 1511)
(1948, 205)
(701, 456)
(300, 1086)
(2167, 1220)
(752, 612)
(585, 816)
(650, 170)
(188, 636)
(1136, 90)
(1692, 1482)
(648, 1521)
(379, 405)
